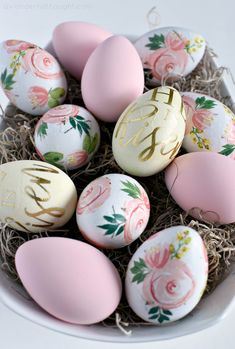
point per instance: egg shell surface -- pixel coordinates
(210, 125)
(70, 279)
(35, 196)
(67, 136)
(112, 78)
(113, 211)
(202, 184)
(167, 275)
(31, 78)
(74, 42)
(150, 131)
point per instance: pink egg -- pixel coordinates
(202, 183)
(112, 78)
(74, 42)
(70, 279)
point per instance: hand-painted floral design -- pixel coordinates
(61, 114)
(40, 97)
(90, 143)
(229, 135)
(198, 117)
(77, 159)
(15, 46)
(170, 56)
(134, 218)
(55, 158)
(41, 64)
(94, 196)
(167, 281)
(42, 128)
(7, 80)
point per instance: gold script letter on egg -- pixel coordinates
(31, 191)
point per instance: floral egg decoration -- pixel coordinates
(31, 78)
(113, 211)
(67, 136)
(210, 125)
(167, 275)
(169, 53)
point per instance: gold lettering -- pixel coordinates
(31, 192)
(148, 152)
(170, 95)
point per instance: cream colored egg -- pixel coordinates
(150, 131)
(35, 196)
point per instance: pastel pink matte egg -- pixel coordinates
(202, 184)
(73, 43)
(70, 279)
(112, 78)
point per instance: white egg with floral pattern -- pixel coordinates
(67, 136)
(169, 53)
(113, 211)
(167, 275)
(210, 125)
(31, 77)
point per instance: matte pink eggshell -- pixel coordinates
(112, 78)
(202, 183)
(70, 279)
(73, 43)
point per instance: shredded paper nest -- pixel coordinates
(16, 143)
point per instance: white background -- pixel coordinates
(34, 21)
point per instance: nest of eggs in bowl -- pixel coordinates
(17, 143)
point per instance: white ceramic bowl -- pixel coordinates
(209, 311)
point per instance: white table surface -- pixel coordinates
(34, 21)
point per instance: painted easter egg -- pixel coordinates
(149, 133)
(210, 125)
(113, 211)
(35, 196)
(31, 77)
(169, 53)
(167, 275)
(114, 59)
(67, 136)
(202, 184)
(71, 280)
(74, 42)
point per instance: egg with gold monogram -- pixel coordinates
(150, 131)
(29, 197)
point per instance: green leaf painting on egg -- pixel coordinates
(159, 314)
(42, 130)
(114, 225)
(140, 270)
(156, 42)
(54, 96)
(90, 143)
(7, 80)
(203, 103)
(78, 122)
(131, 189)
(227, 149)
(54, 158)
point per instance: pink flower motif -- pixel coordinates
(38, 96)
(13, 46)
(145, 199)
(230, 134)
(77, 159)
(170, 285)
(11, 96)
(41, 64)
(137, 215)
(94, 195)
(60, 114)
(171, 59)
(199, 118)
(156, 257)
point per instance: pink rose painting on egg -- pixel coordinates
(77, 159)
(229, 135)
(95, 194)
(14, 46)
(61, 114)
(198, 117)
(167, 281)
(41, 64)
(171, 53)
(134, 218)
